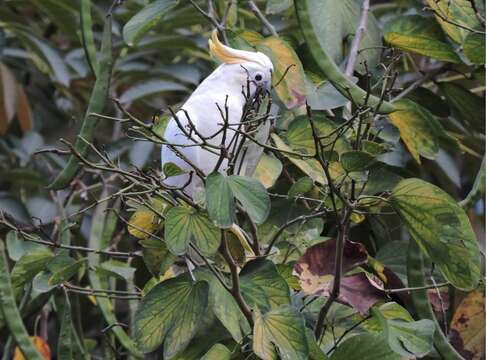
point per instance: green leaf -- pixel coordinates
(17, 246)
(10, 311)
(220, 193)
(300, 187)
(291, 89)
(225, 307)
(407, 338)
(146, 19)
(183, 225)
(277, 6)
(374, 148)
(156, 256)
(217, 352)
(418, 129)
(252, 196)
(421, 36)
(96, 104)
(118, 269)
(283, 327)
(262, 286)
(66, 272)
(100, 237)
(441, 228)
(332, 32)
(219, 200)
(356, 160)
(474, 48)
(28, 266)
(170, 169)
(468, 107)
(455, 17)
(268, 170)
(300, 138)
(170, 314)
(364, 347)
(309, 13)
(310, 167)
(431, 101)
(65, 340)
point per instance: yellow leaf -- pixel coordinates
(416, 127)
(450, 14)
(40, 344)
(268, 170)
(142, 223)
(291, 89)
(467, 332)
(423, 46)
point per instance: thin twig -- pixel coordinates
(262, 18)
(235, 280)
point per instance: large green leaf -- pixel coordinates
(309, 13)
(474, 48)
(441, 228)
(291, 90)
(406, 337)
(252, 195)
(219, 200)
(421, 36)
(221, 191)
(418, 129)
(183, 224)
(283, 327)
(17, 246)
(466, 106)
(169, 314)
(146, 19)
(332, 32)
(364, 347)
(225, 307)
(262, 286)
(456, 17)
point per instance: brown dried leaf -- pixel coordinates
(24, 112)
(315, 268)
(467, 332)
(359, 292)
(8, 97)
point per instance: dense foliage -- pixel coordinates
(355, 238)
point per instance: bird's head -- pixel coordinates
(245, 66)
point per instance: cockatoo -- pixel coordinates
(239, 72)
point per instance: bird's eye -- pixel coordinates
(258, 77)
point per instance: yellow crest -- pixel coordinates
(229, 55)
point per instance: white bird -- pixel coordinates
(225, 85)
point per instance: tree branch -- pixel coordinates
(353, 54)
